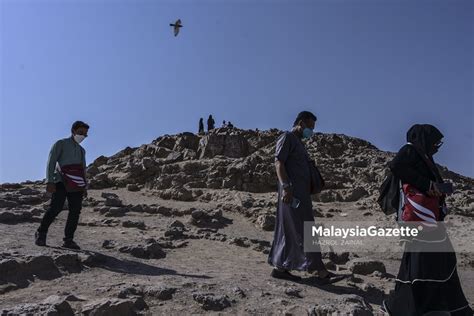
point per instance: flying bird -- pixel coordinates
(177, 25)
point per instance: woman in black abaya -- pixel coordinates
(427, 282)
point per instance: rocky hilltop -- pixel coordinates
(183, 225)
(183, 166)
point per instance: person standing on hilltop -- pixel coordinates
(210, 123)
(66, 178)
(201, 126)
(292, 163)
(427, 281)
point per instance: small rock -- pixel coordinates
(109, 244)
(133, 187)
(139, 224)
(160, 292)
(239, 292)
(197, 214)
(177, 223)
(294, 292)
(366, 266)
(212, 302)
(339, 258)
(112, 199)
(266, 222)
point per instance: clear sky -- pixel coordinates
(368, 69)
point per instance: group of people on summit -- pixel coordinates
(211, 124)
(427, 282)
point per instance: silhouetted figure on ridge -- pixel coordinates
(210, 123)
(201, 126)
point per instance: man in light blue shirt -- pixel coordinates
(65, 153)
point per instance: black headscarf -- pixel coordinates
(424, 137)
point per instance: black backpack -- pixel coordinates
(389, 194)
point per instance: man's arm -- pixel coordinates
(52, 160)
(282, 151)
(51, 166)
(283, 179)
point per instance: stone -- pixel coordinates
(51, 306)
(111, 199)
(7, 217)
(353, 305)
(68, 262)
(8, 203)
(160, 292)
(29, 191)
(339, 258)
(133, 187)
(151, 250)
(356, 194)
(197, 214)
(266, 222)
(113, 307)
(293, 292)
(116, 212)
(136, 224)
(366, 266)
(177, 223)
(211, 302)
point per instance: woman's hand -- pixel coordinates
(433, 191)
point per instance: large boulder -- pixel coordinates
(114, 307)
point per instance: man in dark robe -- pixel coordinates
(293, 171)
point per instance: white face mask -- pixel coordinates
(79, 138)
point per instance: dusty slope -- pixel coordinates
(189, 230)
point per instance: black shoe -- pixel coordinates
(285, 275)
(70, 244)
(40, 239)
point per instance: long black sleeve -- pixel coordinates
(409, 167)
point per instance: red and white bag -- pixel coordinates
(419, 207)
(74, 177)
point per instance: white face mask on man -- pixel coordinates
(79, 138)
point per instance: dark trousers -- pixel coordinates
(74, 200)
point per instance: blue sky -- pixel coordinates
(368, 69)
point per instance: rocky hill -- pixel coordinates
(184, 225)
(183, 166)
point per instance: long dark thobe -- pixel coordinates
(287, 249)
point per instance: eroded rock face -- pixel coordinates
(243, 160)
(232, 145)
